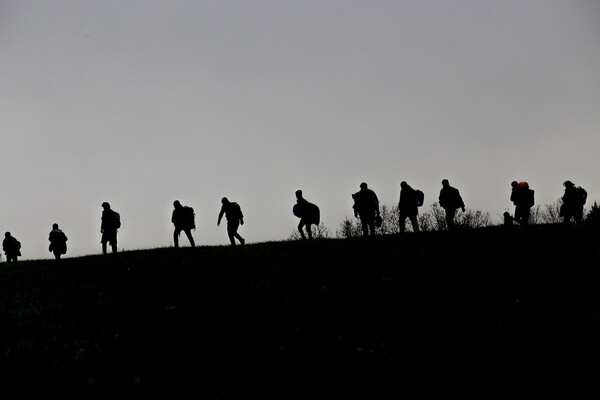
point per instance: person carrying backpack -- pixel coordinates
(235, 218)
(450, 200)
(308, 213)
(366, 207)
(408, 207)
(58, 241)
(573, 201)
(183, 218)
(523, 199)
(111, 222)
(11, 247)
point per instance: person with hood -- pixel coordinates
(11, 247)
(58, 241)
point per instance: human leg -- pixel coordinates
(450, 212)
(371, 224)
(415, 223)
(365, 226)
(188, 233)
(113, 245)
(309, 230)
(301, 228)
(402, 223)
(176, 233)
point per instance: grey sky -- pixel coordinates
(139, 103)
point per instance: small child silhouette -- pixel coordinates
(508, 219)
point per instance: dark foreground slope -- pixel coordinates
(473, 314)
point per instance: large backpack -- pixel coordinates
(420, 197)
(116, 219)
(189, 217)
(581, 195)
(528, 197)
(237, 210)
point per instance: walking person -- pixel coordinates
(58, 241)
(308, 213)
(408, 207)
(573, 201)
(450, 200)
(235, 218)
(11, 247)
(111, 222)
(183, 218)
(366, 207)
(523, 199)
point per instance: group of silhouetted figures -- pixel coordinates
(522, 196)
(365, 207)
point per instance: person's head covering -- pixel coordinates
(363, 185)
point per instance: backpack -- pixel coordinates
(237, 210)
(581, 195)
(116, 219)
(420, 197)
(189, 217)
(297, 210)
(529, 198)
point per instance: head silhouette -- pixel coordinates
(445, 183)
(176, 204)
(298, 194)
(363, 185)
(224, 200)
(105, 205)
(568, 184)
(7, 234)
(403, 184)
(55, 226)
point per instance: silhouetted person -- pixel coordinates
(235, 218)
(308, 213)
(408, 207)
(183, 219)
(11, 247)
(366, 207)
(508, 219)
(111, 222)
(573, 201)
(58, 241)
(523, 199)
(450, 200)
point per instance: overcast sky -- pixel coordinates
(140, 103)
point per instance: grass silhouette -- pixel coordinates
(470, 312)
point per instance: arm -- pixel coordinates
(221, 215)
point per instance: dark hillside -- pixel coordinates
(472, 313)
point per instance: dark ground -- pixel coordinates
(483, 313)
